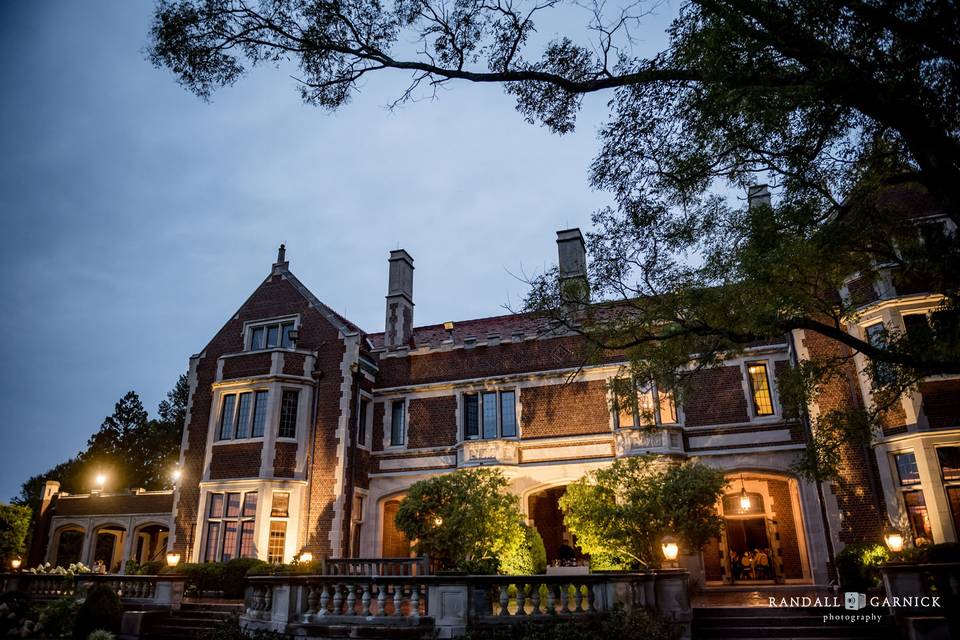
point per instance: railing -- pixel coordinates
(292, 604)
(419, 566)
(166, 590)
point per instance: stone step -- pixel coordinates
(852, 630)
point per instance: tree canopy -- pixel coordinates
(469, 520)
(847, 108)
(131, 449)
(621, 513)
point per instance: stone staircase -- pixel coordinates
(192, 620)
(754, 623)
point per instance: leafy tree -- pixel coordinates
(849, 107)
(14, 524)
(463, 519)
(619, 514)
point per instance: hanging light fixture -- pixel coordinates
(744, 498)
(893, 539)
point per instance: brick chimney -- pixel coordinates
(399, 325)
(572, 253)
(758, 195)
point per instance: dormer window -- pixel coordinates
(271, 335)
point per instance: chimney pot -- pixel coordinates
(758, 195)
(572, 253)
(398, 329)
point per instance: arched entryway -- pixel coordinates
(68, 545)
(108, 547)
(763, 539)
(394, 543)
(149, 543)
(543, 509)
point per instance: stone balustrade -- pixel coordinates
(448, 606)
(148, 591)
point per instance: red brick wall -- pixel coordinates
(712, 567)
(274, 297)
(433, 422)
(484, 360)
(715, 397)
(570, 409)
(941, 403)
(293, 364)
(285, 459)
(786, 527)
(241, 460)
(251, 364)
(861, 509)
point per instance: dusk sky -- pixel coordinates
(137, 218)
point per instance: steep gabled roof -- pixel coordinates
(504, 327)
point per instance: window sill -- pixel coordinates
(238, 440)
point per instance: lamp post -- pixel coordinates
(893, 539)
(670, 549)
(305, 557)
(173, 559)
(101, 481)
(15, 564)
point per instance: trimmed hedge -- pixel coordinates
(101, 610)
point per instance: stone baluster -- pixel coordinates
(551, 598)
(415, 601)
(504, 599)
(578, 605)
(535, 598)
(365, 601)
(591, 598)
(268, 602)
(381, 600)
(351, 600)
(312, 599)
(563, 598)
(324, 600)
(521, 599)
(337, 599)
(397, 599)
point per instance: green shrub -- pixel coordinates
(526, 556)
(100, 610)
(618, 624)
(230, 630)
(101, 634)
(858, 565)
(151, 568)
(234, 574)
(15, 607)
(201, 576)
(58, 617)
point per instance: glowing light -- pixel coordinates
(670, 548)
(173, 559)
(177, 474)
(744, 500)
(306, 556)
(15, 564)
(894, 540)
(101, 480)
(437, 521)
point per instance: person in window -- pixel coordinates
(762, 563)
(735, 567)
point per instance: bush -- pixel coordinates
(526, 556)
(15, 608)
(58, 617)
(635, 625)
(100, 610)
(151, 568)
(101, 634)
(201, 576)
(858, 565)
(230, 630)
(943, 552)
(233, 574)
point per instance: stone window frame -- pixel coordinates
(479, 392)
(250, 325)
(770, 360)
(223, 518)
(948, 484)
(652, 390)
(220, 399)
(366, 428)
(902, 489)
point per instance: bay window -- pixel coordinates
(643, 407)
(231, 519)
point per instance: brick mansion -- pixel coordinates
(304, 432)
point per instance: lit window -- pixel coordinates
(230, 526)
(271, 336)
(278, 538)
(490, 415)
(949, 463)
(281, 504)
(288, 413)
(760, 389)
(918, 517)
(636, 407)
(397, 413)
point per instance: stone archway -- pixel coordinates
(763, 538)
(68, 545)
(107, 547)
(543, 509)
(393, 543)
(149, 542)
